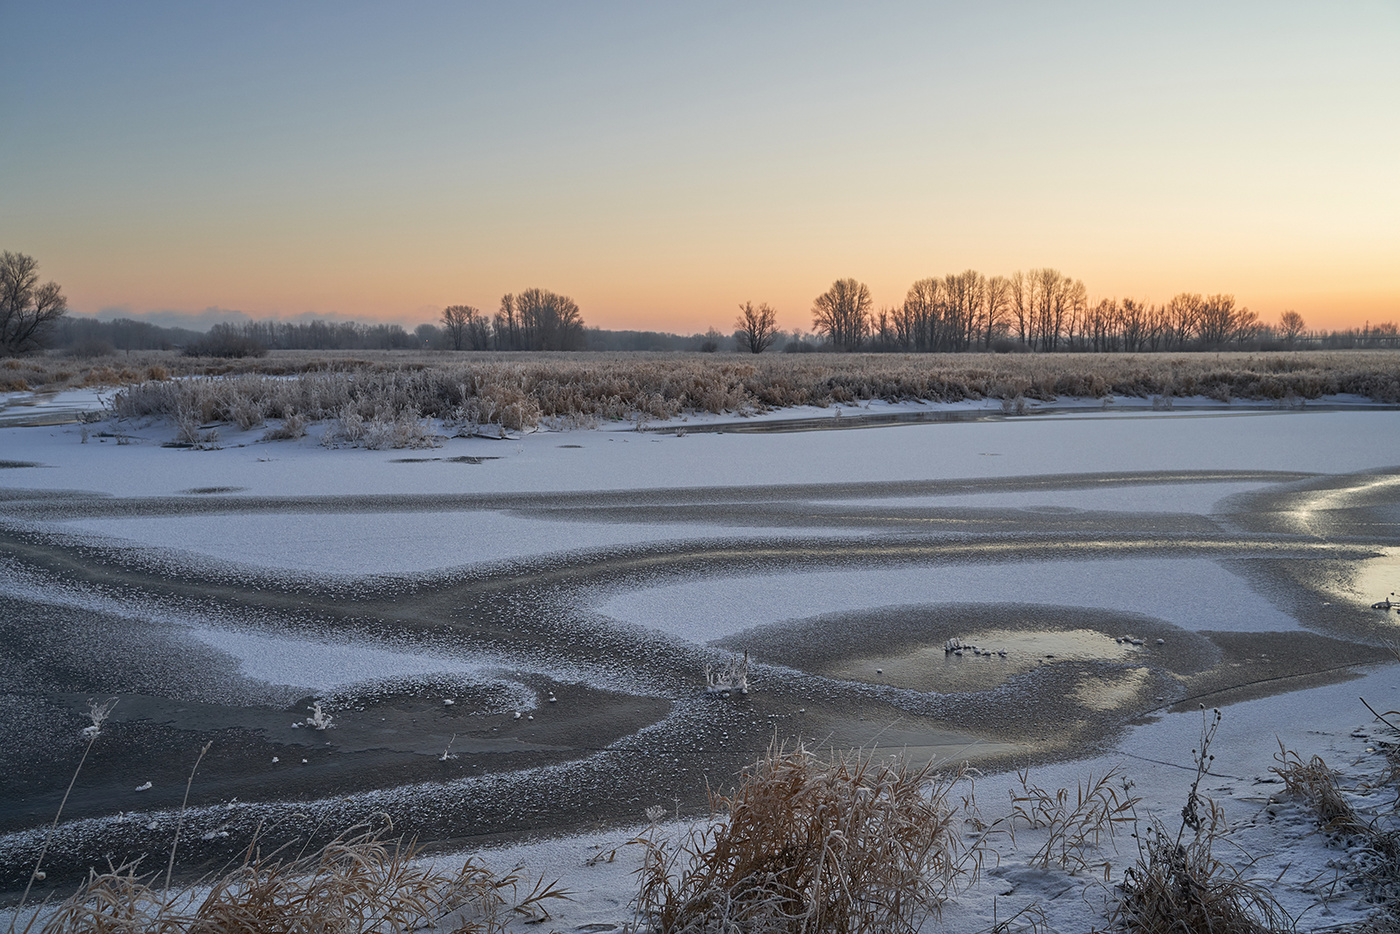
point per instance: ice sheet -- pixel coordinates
(1195, 498)
(1193, 593)
(387, 543)
(324, 664)
(1327, 442)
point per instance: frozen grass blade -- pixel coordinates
(174, 845)
(1178, 886)
(98, 714)
(1073, 831)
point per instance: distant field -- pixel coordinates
(518, 390)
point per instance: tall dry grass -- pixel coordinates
(1179, 886)
(521, 389)
(516, 392)
(845, 845)
(364, 882)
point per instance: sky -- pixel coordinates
(662, 163)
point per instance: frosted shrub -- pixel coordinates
(186, 426)
(246, 413)
(349, 428)
(733, 675)
(292, 427)
(405, 430)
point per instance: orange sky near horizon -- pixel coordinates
(661, 165)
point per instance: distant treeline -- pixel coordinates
(1043, 310)
(1037, 311)
(90, 337)
(87, 337)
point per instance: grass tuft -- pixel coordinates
(1075, 826)
(846, 845)
(1179, 886)
(361, 883)
(1317, 784)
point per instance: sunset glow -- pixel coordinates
(663, 164)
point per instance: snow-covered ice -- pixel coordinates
(125, 491)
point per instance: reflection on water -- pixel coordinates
(1372, 581)
(932, 668)
(1324, 512)
(918, 740)
(1113, 691)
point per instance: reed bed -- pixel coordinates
(522, 391)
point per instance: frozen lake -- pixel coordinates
(511, 637)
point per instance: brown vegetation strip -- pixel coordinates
(521, 390)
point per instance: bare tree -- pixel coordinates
(1099, 326)
(1023, 291)
(919, 319)
(455, 321)
(1221, 322)
(1184, 318)
(538, 319)
(756, 328)
(1158, 326)
(479, 332)
(963, 296)
(1137, 325)
(842, 312)
(1290, 325)
(28, 310)
(998, 305)
(427, 335)
(884, 329)
(508, 325)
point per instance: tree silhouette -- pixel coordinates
(842, 313)
(1290, 325)
(756, 328)
(538, 319)
(28, 310)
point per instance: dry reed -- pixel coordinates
(1074, 830)
(1179, 886)
(1316, 783)
(842, 846)
(360, 883)
(522, 390)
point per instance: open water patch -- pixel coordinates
(1374, 582)
(965, 648)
